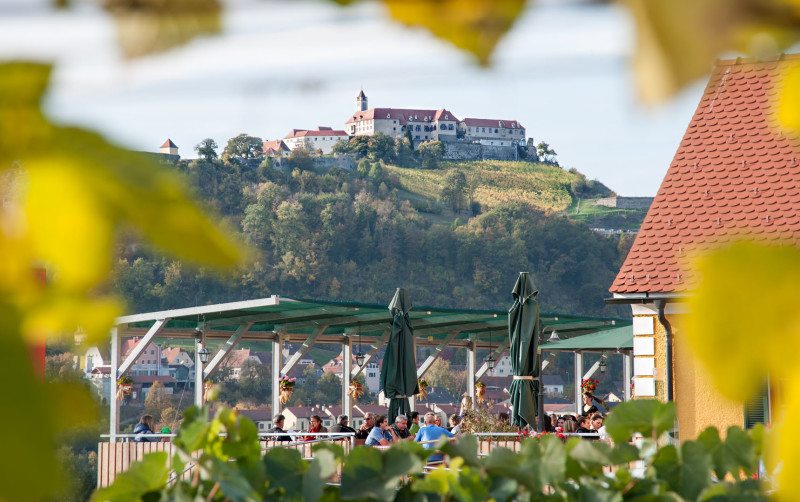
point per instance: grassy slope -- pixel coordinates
(497, 182)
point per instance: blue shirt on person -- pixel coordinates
(375, 436)
(431, 433)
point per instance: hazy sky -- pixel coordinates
(562, 72)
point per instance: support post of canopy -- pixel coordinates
(226, 348)
(113, 419)
(471, 371)
(303, 349)
(578, 375)
(198, 373)
(347, 362)
(592, 369)
(141, 346)
(426, 365)
(277, 348)
(626, 372)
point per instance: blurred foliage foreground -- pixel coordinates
(76, 191)
(66, 194)
(224, 458)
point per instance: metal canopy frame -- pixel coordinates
(310, 322)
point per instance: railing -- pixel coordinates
(115, 458)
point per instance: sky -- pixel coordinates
(563, 71)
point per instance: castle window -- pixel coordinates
(450, 126)
(495, 131)
(416, 128)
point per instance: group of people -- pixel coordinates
(145, 428)
(590, 421)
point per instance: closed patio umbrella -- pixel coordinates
(399, 368)
(523, 331)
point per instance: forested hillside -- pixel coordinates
(456, 235)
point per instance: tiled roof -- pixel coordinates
(169, 144)
(402, 115)
(326, 131)
(274, 145)
(733, 174)
(471, 122)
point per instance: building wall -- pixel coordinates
(474, 151)
(324, 143)
(697, 403)
(641, 203)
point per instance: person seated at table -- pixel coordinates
(381, 434)
(278, 427)
(584, 425)
(430, 434)
(569, 426)
(598, 426)
(414, 428)
(341, 425)
(316, 426)
(437, 421)
(145, 426)
(400, 427)
(455, 424)
(366, 426)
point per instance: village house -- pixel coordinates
(733, 172)
(493, 132)
(371, 371)
(322, 139)
(262, 417)
(274, 148)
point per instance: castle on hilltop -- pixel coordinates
(500, 136)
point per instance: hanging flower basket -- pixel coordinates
(286, 388)
(124, 388)
(480, 392)
(210, 391)
(589, 385)
(356, 390)
(423, 390)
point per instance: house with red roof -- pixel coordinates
(493, 132)
(734, 173)
(322, 138)
(274, 148)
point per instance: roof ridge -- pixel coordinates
(755, 60)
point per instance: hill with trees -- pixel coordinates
(453, 235)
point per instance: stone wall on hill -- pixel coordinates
(476, 151)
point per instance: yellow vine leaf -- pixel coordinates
(147, 27)
(476, 26)
(744, 327)
(787, 108)
(678, 40)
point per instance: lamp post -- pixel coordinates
(359, 353)
(490, 360)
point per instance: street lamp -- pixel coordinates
(603, 364)
(359, 354)
(203, 353)
(554, 337)
(490, 360)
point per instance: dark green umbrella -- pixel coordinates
(523, 330)
(399, 368)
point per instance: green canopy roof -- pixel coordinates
(620, 338)
(296, 319)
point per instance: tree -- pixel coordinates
(404, 152)
(156, 400)
(430, 153)
(546, 154)
(454, 190)
(207, 149)
(242, 149)
(381, 147)
(301, 158)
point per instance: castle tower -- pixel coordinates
(169, 147)
(361, 100)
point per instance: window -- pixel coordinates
(495, 131)
(416, 128)
(483, 129)
(450, 126)
(416, 137)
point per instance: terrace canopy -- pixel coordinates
(614, 339)
(304, 323)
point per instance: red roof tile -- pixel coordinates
(733, 174)
(302, 133)
(169, 144)
(274, 146)
(403, 115)
(506, 124)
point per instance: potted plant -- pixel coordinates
(356, 390)
(286, 388)
(480, 392)
(423, 390)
